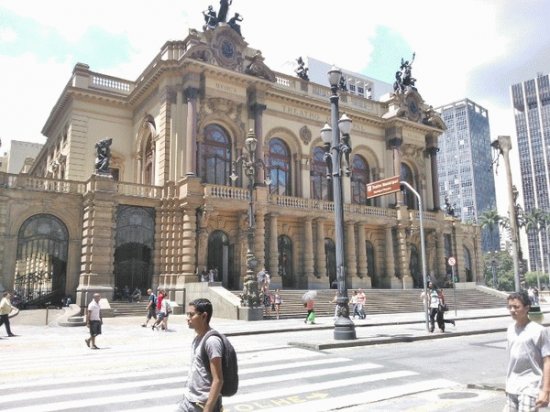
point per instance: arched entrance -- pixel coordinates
(41, 265)
(285, 262)
(220, 257)
(134, 244)
(414, 268)
(330, 254)
(371, 266)
(468, 265)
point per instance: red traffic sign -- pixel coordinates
(383, 187)
(452, 261)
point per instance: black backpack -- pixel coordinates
(230, 368)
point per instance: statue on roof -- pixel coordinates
(224, 8)
(301, 71)
(210, 19)
(403, 77)
(234, 23)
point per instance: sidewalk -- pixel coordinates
(374, 330)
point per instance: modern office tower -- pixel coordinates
(531, 100)
(464, 167)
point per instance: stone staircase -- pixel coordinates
(379, 301)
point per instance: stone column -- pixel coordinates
(191, 94)
(459, 251)
(432, 151)
(276, 280)
(363, 267)
(319, 279)
(98, 241)
(350, 254)
(257, 110)
(309, 263)
(441, 269)
(259, 238)
(394, 139)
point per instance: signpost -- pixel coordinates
(383, 187)
(452, 264)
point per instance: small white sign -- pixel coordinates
(452, 261)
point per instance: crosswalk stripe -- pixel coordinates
(373, 395)
(293, 365)
(307, 374)
(319, 386)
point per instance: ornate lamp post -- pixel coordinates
(337, 145)
(251, 295)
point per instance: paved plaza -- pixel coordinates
(285, 365)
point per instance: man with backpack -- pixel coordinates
(213, 371)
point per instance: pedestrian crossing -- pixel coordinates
(280, 380)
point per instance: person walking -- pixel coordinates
(5, 310)
(360, 305)
(435, 307)
(94, 321)
(310, 306)
(161, 309)
(277, 301)
(528, 346)
(151, 308)
(203, 391)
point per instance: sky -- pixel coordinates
(470, 49)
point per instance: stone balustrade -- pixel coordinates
(21, 181)
(225, 192)
(99, 81)
(134, 189)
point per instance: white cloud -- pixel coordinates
(7, 35)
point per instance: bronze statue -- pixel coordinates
(224, 8)
(403, 77)
(103, 156)
(210, 19)
(233, 23)
(301, 71)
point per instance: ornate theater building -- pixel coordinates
(168, 207)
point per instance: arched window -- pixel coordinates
(359, 179)
(321, 188)
(216, 156)
(409, 199)
(148, 163)
(279, 168)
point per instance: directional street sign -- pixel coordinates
(383, 187)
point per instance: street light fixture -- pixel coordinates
(247, 160)
(337, 145)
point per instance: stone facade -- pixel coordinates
(171, 210)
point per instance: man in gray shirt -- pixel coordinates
(203, 391)
(528, 375)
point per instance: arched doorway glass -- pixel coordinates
(285, 262)
(134, 245)
(220, 258)
(414, 268)
(330, 256)
(41, 264)
(468, 265)
(409, 198)
(216, 156)
(359, 180)
(371, 266)
(321, 188)
(279, 168)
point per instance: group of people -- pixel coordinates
(210, 276)
(158, 309)
(271, 301)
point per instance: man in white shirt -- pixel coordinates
(94, 321)
(528, 374)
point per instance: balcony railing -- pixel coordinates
(134, 189)
(14, 181)
(225, 192)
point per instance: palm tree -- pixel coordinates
(537, 220)
(490, 219)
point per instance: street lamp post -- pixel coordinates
(249, 163)
(504, 144)
(337, 145)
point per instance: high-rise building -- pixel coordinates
(464, 167)
(531, 100)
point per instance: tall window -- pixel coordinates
(148, 163)
(279, 168)
(216, 156)
(359, 179)
(321, 188)
(409, 199)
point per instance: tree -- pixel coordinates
(537, 220)
(490, 220)
(503, 265)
